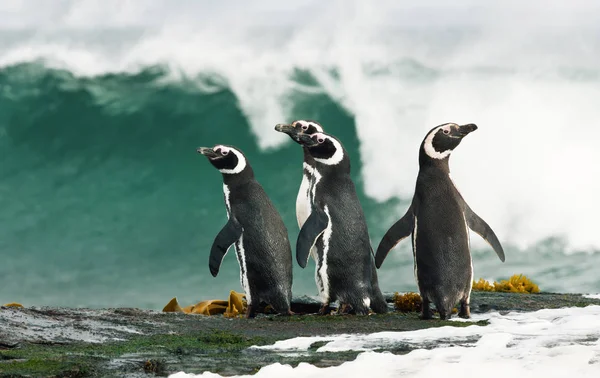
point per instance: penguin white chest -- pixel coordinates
(322, 272)
(240, 250)
(241, 255)
(414, 245)
(227, 202)
(303, 199)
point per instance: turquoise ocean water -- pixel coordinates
(104, 201)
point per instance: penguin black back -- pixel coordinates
(295, 130)
(439, 221)
(257, 230)
(337, 228)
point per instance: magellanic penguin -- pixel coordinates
(295, 130)
(257, 230)
(439, 220)
(338, 230)
(303, 205)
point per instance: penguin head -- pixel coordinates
(441, 140)
(324, 148)
(227, 159)
(298, 128)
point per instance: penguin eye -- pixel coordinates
(446, 131)
(224, 152)
(320, 140)
(304, 127)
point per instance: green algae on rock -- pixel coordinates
(132, 342)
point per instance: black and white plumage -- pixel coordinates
(295, 130)
(303, 200)
(439, 220)
(257, 230)
(337, 229)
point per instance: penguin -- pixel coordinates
(294, 130)
(439, 220)
(337, 228)
(257, 230)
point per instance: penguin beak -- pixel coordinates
(464, 130)
(283, 128)
(307, 140)
(208, 152)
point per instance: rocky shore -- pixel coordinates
(129, 342)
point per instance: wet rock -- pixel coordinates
(135, 342)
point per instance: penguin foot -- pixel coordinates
(426, 313)
(283, 314)
(325, 309)
(286, 313)
(344, 309)
(362, 311)
(465, 310)
(445, 315)
(379, 307)
(250, 311)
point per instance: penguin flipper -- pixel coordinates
(480, 227)
(314, 226)
(399, 231)
(228, 235)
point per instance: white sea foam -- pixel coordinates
(526, 73)
(592, 296)
(546, 343)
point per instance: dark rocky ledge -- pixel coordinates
(65, 342)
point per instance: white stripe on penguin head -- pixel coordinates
(428, 145)
(308, 123)
(241, 159)
(339, 151)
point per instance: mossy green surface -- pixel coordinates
(215, 350)
(83, 359)
(196, 343)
